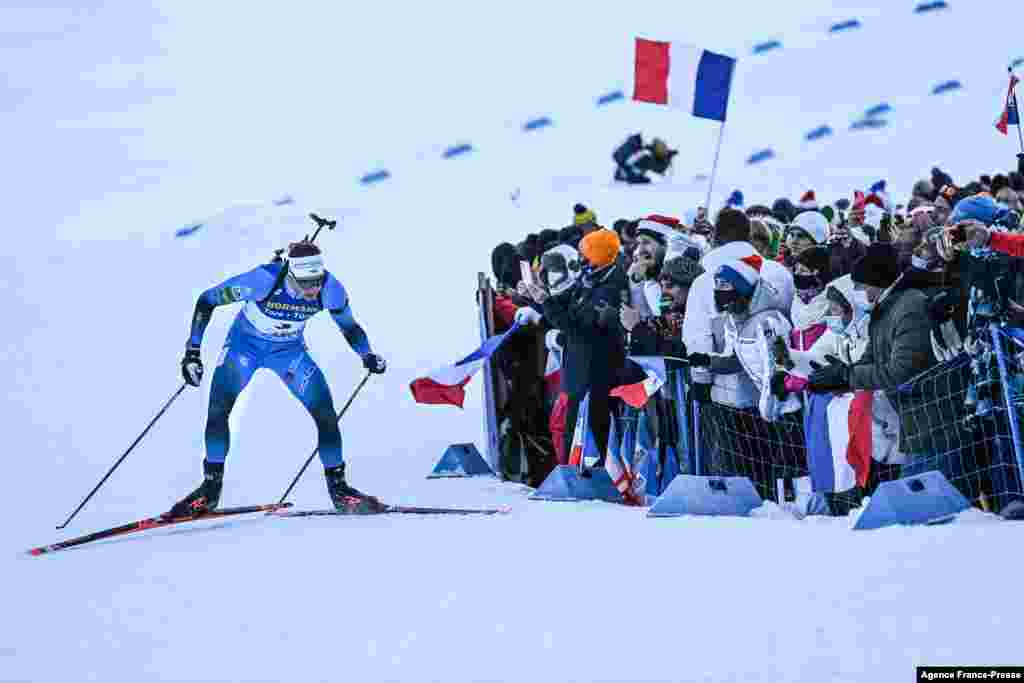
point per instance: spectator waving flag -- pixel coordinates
(683, 77)
(844, 438)
(1010, 116)
(639, 393)
(446, 385)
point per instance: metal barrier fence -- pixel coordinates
(961, 418)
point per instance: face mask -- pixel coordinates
(805, 281)
(860, 297)
(835, 324)
(555, 278)
(724, 299)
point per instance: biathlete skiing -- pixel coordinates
(280, 297)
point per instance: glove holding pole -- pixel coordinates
(192, 367)
(374, 364)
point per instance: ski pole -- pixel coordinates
(124, 455)
(317, 449)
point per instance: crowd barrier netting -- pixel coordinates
(960, 418)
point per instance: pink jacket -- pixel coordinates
(803, 340)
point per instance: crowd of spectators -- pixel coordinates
(765, 307)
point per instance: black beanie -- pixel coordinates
(547, 239)
(303, 248)
(1016, 181)
(570, 235)
(505, 264)
(783, 211)
(879, 267)
(816, 259)
(732, 225)
(529, 249)
(999, 181)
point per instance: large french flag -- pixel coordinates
(446, 385)
(683, 77)
(639, 393)
(841, 440)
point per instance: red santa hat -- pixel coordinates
(874, 199)
(657, 227)
(809, 200)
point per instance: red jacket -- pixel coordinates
(1008, 243)
(504, 313)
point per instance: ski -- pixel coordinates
(396, 510)
(152, 523)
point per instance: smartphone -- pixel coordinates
(527, 272)
(958, 234)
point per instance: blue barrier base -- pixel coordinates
(714, 496)
(920, 499)
(461, 460)
(565, 484)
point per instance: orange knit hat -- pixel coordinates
(600, 247)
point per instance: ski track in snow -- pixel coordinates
(139, 121)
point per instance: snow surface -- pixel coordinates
(123, 122)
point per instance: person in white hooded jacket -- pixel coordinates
(731, 242)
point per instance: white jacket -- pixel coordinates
(700, 307)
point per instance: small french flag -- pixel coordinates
(1010, 115)
(683, 77)
(637, 395)
(447, 385)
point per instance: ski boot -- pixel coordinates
(347, 499)
(205, 498)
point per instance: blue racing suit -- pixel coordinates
(269, 333)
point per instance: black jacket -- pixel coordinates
(594, 341)
(900, 344)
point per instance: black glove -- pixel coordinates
(374, 363)
(834, 377)
(192, 367)
(1020, 163)
(700, 392)
(942, 306)
(607, 316)
(700, 360)
(778, 386)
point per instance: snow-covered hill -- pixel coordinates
(121, 123)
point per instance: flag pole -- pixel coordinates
(1013, 95)
(714, 169)
(1020, 136)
